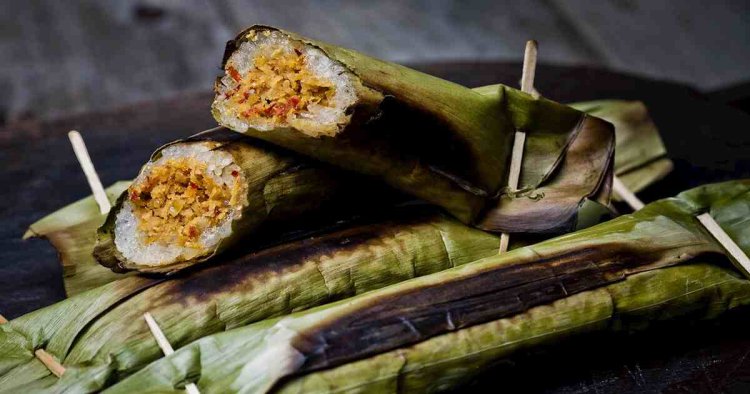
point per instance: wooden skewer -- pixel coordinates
(47, 359)
(79, 147)
(165, 346)
(743, 262)
(529, 67)
(50, 362)
(516, 158)
(629, 197)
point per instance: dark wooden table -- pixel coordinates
(708, 142)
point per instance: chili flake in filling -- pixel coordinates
(277, 86)
(178, 201)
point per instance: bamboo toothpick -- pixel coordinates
(50, 362)
(79, 147)
(519, 139)
(629, 197)
(165, 346)
(743, 262)
(47, 359)
(529, 67)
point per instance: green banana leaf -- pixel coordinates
(450, 145)
(434, 332)
(71, 229)
(97, 336)
(640, 157)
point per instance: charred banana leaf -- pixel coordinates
(100, 337)
(433, 332)
(439, 141)
(450, 360)
(195, 198)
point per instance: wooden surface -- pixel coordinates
(707, 141)
(62, 56)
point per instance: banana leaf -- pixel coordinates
(452, 360)
(640, 157)
(574, 181)
(71, 229)
(97, 337)
(439, 141)
(434, 332)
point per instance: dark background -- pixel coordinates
(63, 56)
(133, 75)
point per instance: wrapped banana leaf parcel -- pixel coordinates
(434, 332)
(197, 197)
(72, 229)
(99, 336)
(441, 142)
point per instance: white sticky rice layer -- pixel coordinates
(317, 62)
(131, 243)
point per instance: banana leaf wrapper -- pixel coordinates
(554, 205)
(640, 157)
(450, 361)
(450, 145)
(281, 188)
(71, 229)
(434, 332)
(100, 335)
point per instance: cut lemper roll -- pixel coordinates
(197, 197)
(439, 141)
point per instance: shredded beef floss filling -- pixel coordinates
(273, 81)
(181, 205)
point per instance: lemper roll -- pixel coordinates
(197, 197)
(434, 139)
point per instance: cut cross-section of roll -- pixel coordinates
(273, 81)
(181, 206)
